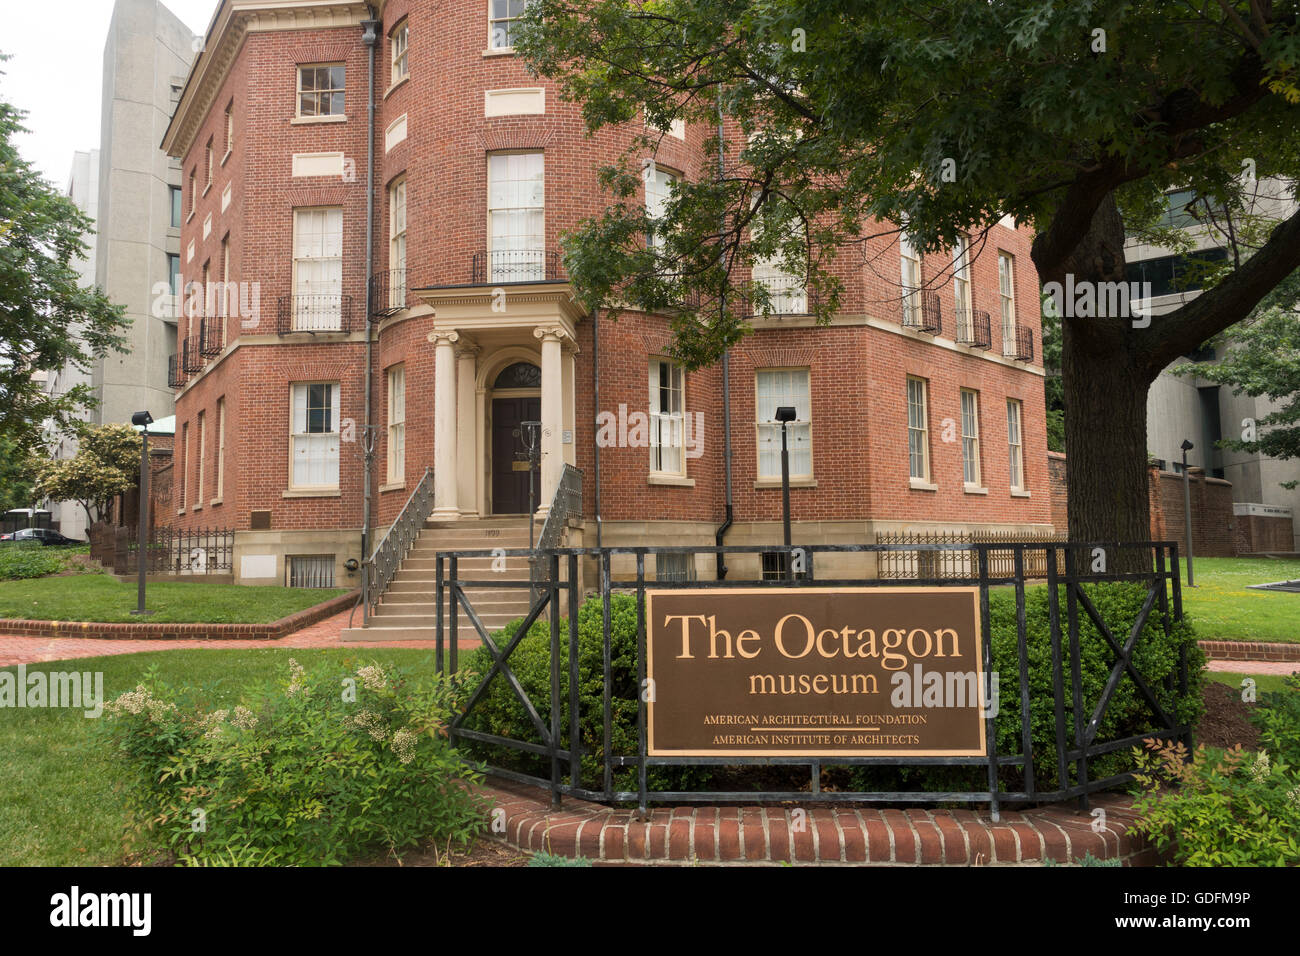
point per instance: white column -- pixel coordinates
(444, 424)
(466, 435)
(552, 413)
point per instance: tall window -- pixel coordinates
(397, 424)
(918, 430)
(315, 435)
(225, 304)
(318, 268)
(208, 157)
(221, 448)
(778, 387)
(397, 245)
(961, 290)
(194, 195)
(230, 126)
(501, 22)
(658, 189)
(320, 90)
(174, 193)
(174, 272)
(516, 217)
(203, 454)
(1014, 441)
(911, 275)
(970, 437)
(185, 464)
(1007, 299)
(667, 439)
(400, 38)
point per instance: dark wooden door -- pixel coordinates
(510, 480)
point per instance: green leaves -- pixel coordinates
(47, 320)
(107, 463)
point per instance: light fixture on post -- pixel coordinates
(143, 420)
(785, 414)
(1187, 510)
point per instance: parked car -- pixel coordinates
(44, 536)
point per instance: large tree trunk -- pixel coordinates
(1106, 381)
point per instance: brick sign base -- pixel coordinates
(734, 835)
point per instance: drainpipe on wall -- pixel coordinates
(595, 375)
(370, 38)
(720, 535)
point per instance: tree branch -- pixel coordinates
(1178, 333)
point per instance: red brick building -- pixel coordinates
(478, 168)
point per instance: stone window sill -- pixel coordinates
(675, 481)
(500, 51)
(312, 120)
(975, 490)
(919, 484)
(312, 493)
(400, 83)
(763, 483)
(392, 486)
(1019, 494)
(216, 502)
(226, 157)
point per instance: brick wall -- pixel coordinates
(1215, 530)
(858, 366)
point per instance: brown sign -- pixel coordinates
(851, 672)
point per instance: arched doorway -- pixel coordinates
(516, 398)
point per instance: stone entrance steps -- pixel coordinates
(408, 611)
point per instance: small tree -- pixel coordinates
(107, 464)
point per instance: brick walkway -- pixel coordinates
(1254, 667)
(31, 650)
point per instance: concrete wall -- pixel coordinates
(147, 52)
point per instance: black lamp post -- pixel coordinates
(786, 414)
(143, 420)
(1187, 510)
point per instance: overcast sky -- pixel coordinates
(59, 85)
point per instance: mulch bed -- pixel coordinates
(482, 852)
(1224, 723)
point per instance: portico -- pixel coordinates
(502, 356)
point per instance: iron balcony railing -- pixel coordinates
(922, 312)
(974, 328)
(388, 291)
(192, 359)
(175, 371)
(383, 563)
(503, 266)
(212, 336)
(314, 312)
(786, 295)
(1022, 350)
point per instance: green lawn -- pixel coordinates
(100, 597)
(1263, 682)
(60, 801)
(1223, 608)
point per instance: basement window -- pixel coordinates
(311, 570)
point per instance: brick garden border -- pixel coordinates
(1250, 651)
(146, 631)
(844, 835)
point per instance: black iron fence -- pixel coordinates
(1023, 349)
(173, 551)
(1022, 765)
(388, 292)
(974, 328)
(904, 564)
(923, 312)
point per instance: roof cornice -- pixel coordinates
(233, 21)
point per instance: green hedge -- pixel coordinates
(1156, 658)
